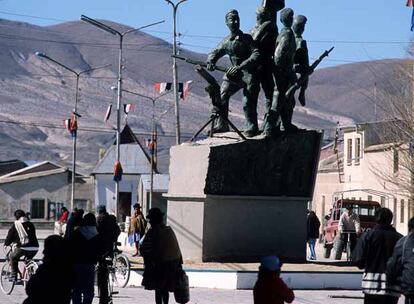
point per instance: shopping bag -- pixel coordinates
(182, 291)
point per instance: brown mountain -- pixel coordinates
(36, 95)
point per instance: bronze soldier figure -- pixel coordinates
(284, 76)
(264, 34)
(244, 57)
(301, 59)
(301, 66)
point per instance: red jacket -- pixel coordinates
(64, 217)
(270, 289)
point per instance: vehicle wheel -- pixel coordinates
(5, 283)
(30, 271)
(122, 270)
(328, 250)
(339, 248)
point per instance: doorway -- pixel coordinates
(124, 208)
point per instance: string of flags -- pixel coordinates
(160, 87)
(129, 107)
(410, 3)
(183, 88)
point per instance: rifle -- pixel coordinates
(236, 79)
(213, 88)
(201, 63)
(304, 77)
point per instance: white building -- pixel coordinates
(361, 169)
(134, 161)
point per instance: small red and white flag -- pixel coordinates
(128, 108)
(162, 87)
(183, 88)
(108, 113)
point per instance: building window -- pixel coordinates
(402, 211)
(349, 153)
(395, 160)
(357, 150)
(37, 208)
(382, 201)
(370, 198)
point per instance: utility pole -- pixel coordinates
(75, 113)
(175, 73)
(120, 35)
(153, 144)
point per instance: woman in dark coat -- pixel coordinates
(162, 258)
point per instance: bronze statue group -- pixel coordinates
(266, 59)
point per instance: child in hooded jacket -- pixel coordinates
(269, 287)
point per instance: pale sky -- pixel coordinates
(360, 30)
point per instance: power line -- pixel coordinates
(87, 129)
(31, 16)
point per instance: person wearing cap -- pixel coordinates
(348, 224)
(269, 287)
(162, 258)
(244, 57)
(136, 228)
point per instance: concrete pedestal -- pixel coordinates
(236, 201)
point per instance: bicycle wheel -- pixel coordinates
(5, 283)
(31, 268)
(122, 270)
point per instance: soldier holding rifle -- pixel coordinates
(244, 57)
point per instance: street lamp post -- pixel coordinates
(153, 100)
(75, 112)
(175, 77)
(121, 36)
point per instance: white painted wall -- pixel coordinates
(105, 190)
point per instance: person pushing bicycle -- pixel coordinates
(349, 227)
(22, 238)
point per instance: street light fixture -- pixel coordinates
(175, 80)
(120, 35)
(153, 99)
(75, 112)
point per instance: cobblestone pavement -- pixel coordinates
(213, 296)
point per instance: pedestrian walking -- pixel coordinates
(136, 228)
(74, 221)
(313, 225)
(109, 231)
(400, 267)
(162, 258)
(269, 287)
(371, 253)
(60, 225)
(53, 281)
(22, 238)
(86, 248)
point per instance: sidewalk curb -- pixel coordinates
(233, 280)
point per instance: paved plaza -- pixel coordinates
(213, 296)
